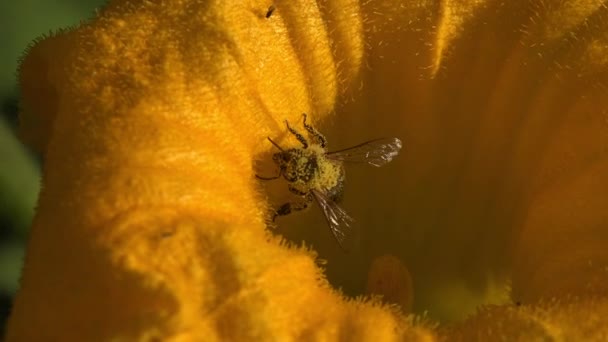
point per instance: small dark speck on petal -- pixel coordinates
(270, 11)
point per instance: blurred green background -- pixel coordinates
(20, 23)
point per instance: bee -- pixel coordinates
(314, 174)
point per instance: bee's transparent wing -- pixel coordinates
(340, 223)
(374, 152)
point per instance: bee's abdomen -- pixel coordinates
(335, 193)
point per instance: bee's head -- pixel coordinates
(289, 162)
(282, 158)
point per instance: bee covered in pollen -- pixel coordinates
(315, 174)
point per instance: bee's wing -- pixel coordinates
(374, 152)
(340, 223)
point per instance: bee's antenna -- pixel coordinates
(275, 144)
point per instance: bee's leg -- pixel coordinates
(296, 191)
(290, 207)
(316, 134)
(299, 136)
(268, 178)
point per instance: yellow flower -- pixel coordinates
(152, 115)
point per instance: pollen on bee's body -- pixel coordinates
(330, 174)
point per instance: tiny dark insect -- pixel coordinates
(314, 173)
(270, 11)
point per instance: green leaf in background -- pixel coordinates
(20, 23)
(23, 21)
(19, 181)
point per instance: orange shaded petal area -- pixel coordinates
(562, 247)
(566, 319)
(149, 226)
(388, 277)
(41, 80)
(504, 126)
(162, 273)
